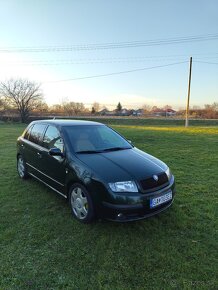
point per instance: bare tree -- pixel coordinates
(2, 104)
(68, 108)
(21, 94)
(78, 108)
(146, 108)
(211, 111)
(42, 108)
(167, 107)
(56, 109)
(72, 108)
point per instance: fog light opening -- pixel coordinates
(120, 215)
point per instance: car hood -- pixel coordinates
(123, 165)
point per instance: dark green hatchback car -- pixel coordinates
(99, 172)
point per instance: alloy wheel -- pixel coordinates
(79, 203)
(21, 167)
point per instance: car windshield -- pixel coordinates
(95, 139)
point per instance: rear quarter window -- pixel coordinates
(36, 133)
(27, 133)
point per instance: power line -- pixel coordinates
(110, 59)
(115, 73)
(113, 45)
(91, 62)
(55, 62)
(206, 62)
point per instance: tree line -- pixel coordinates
(26, 97)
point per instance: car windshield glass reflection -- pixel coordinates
(95, 139)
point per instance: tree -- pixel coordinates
(167, 107)
(21, 94)
(2, 104)
(72, 108)
(56, 109)
(119, 107)
(78, 108)
(93, 111)
(96, 106)
(211, 111)
(41, 108)
(68, 108)
(146, 108)
(155, 108)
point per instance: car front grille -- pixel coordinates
(150, 184)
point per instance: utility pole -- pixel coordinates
(188, 98)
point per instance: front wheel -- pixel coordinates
(21, 167)
(81, 203)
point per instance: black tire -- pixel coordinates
(21, 167)
(81, 203)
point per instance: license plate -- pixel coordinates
(160, 199)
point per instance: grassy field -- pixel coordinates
(42, 247)
(131, 121)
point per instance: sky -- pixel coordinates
(88, 24)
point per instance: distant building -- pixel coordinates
(103, 112)
(124, 112)
(163, 112)
(170, 112)
(111, 113)
(138, 112)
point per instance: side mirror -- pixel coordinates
(55, 152)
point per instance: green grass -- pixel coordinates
(42, 247)
(153, 122)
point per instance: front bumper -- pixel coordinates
(137, 206)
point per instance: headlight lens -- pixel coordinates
(168, 173)
(123, 186)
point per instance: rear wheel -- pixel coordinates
(21, 167)
(81, 203)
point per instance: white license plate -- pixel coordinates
(160, 199)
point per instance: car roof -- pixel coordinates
(63, 122)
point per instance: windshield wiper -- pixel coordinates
(115, 149)
(103, 150)
(88, 151)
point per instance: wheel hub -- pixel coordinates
(78, 203)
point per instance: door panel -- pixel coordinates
(54, 167)
(54, 170)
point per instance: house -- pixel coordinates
(103, 112)
(124, 112)
(138, 112)
(111, 113)
(170, 112)
(163, 112)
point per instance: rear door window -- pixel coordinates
(36, 133)
(52, 139)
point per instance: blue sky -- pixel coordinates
(66, 23)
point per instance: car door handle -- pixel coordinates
(39, 154)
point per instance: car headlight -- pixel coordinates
(168, 173)
(123, 186)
